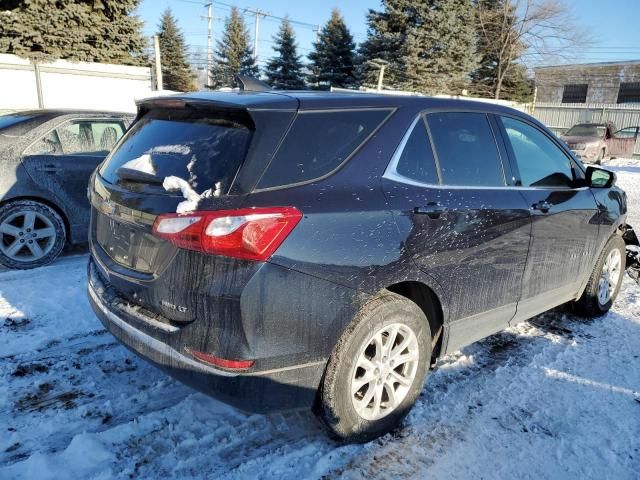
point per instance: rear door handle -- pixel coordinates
(49, 169)
(431, 209)
(542, 205)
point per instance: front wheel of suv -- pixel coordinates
(377, 369)
(604, 283)
(31, 234)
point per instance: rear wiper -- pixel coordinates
(133, 175)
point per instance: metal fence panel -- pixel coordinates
(561, 116)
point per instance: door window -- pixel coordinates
(84, 136)
(47, 145)
(466, 148)
(540, 161)
(416, 161)
(629, 132)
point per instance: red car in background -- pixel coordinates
(592, 142)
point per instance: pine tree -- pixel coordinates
(79, 30)
(176, 71)
(333, 55)
(284, 70)
(386, 39)
(233, 54)
(499, 48)
(428, 45)
(439, 52)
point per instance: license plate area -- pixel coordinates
(128, 245)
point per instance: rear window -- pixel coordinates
(318, 143)
(205, 149)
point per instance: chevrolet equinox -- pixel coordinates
(286, 250)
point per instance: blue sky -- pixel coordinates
(615, 24)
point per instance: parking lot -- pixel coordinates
(555, 397)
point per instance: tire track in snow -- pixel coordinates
(87, 378)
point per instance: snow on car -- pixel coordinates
(554, 397)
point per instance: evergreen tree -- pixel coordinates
(233, 54)
(78, 30)
(333, 55)
(176, 71)
(386, 39)
(499, 46)
(439, 53)
(284, 70)
(429, 45)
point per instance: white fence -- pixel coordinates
(63, 84)
(561, 116)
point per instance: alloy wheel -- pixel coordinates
(609, 276)
(27, 236)
(384, 371)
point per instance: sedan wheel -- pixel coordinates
(31, 234)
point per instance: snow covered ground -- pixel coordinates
(556, 397)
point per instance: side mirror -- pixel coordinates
(600, 178)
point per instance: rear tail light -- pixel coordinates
(248, 233)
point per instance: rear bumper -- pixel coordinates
(279, 389)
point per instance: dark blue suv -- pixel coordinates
(283, 250)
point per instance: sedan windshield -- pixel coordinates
(586, 131)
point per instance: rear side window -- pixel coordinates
(318, 143)
(466, 149)
(83, 136)
(203, 148)
(416, 161)
(46, 145)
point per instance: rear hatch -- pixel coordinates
(170, 160)
(174, 158)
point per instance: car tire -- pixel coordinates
(32, 234)
(605, 280)
(363, 346)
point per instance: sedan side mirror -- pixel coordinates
(600, 178)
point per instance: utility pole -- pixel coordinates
(36, 70)
(256, 30)
(380, 77)
(156, 48)
(382, 65)
(209, 50)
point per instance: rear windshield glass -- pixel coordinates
(12, 119)
(318, 143)
(204, 149)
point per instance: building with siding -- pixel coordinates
(610, 82)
